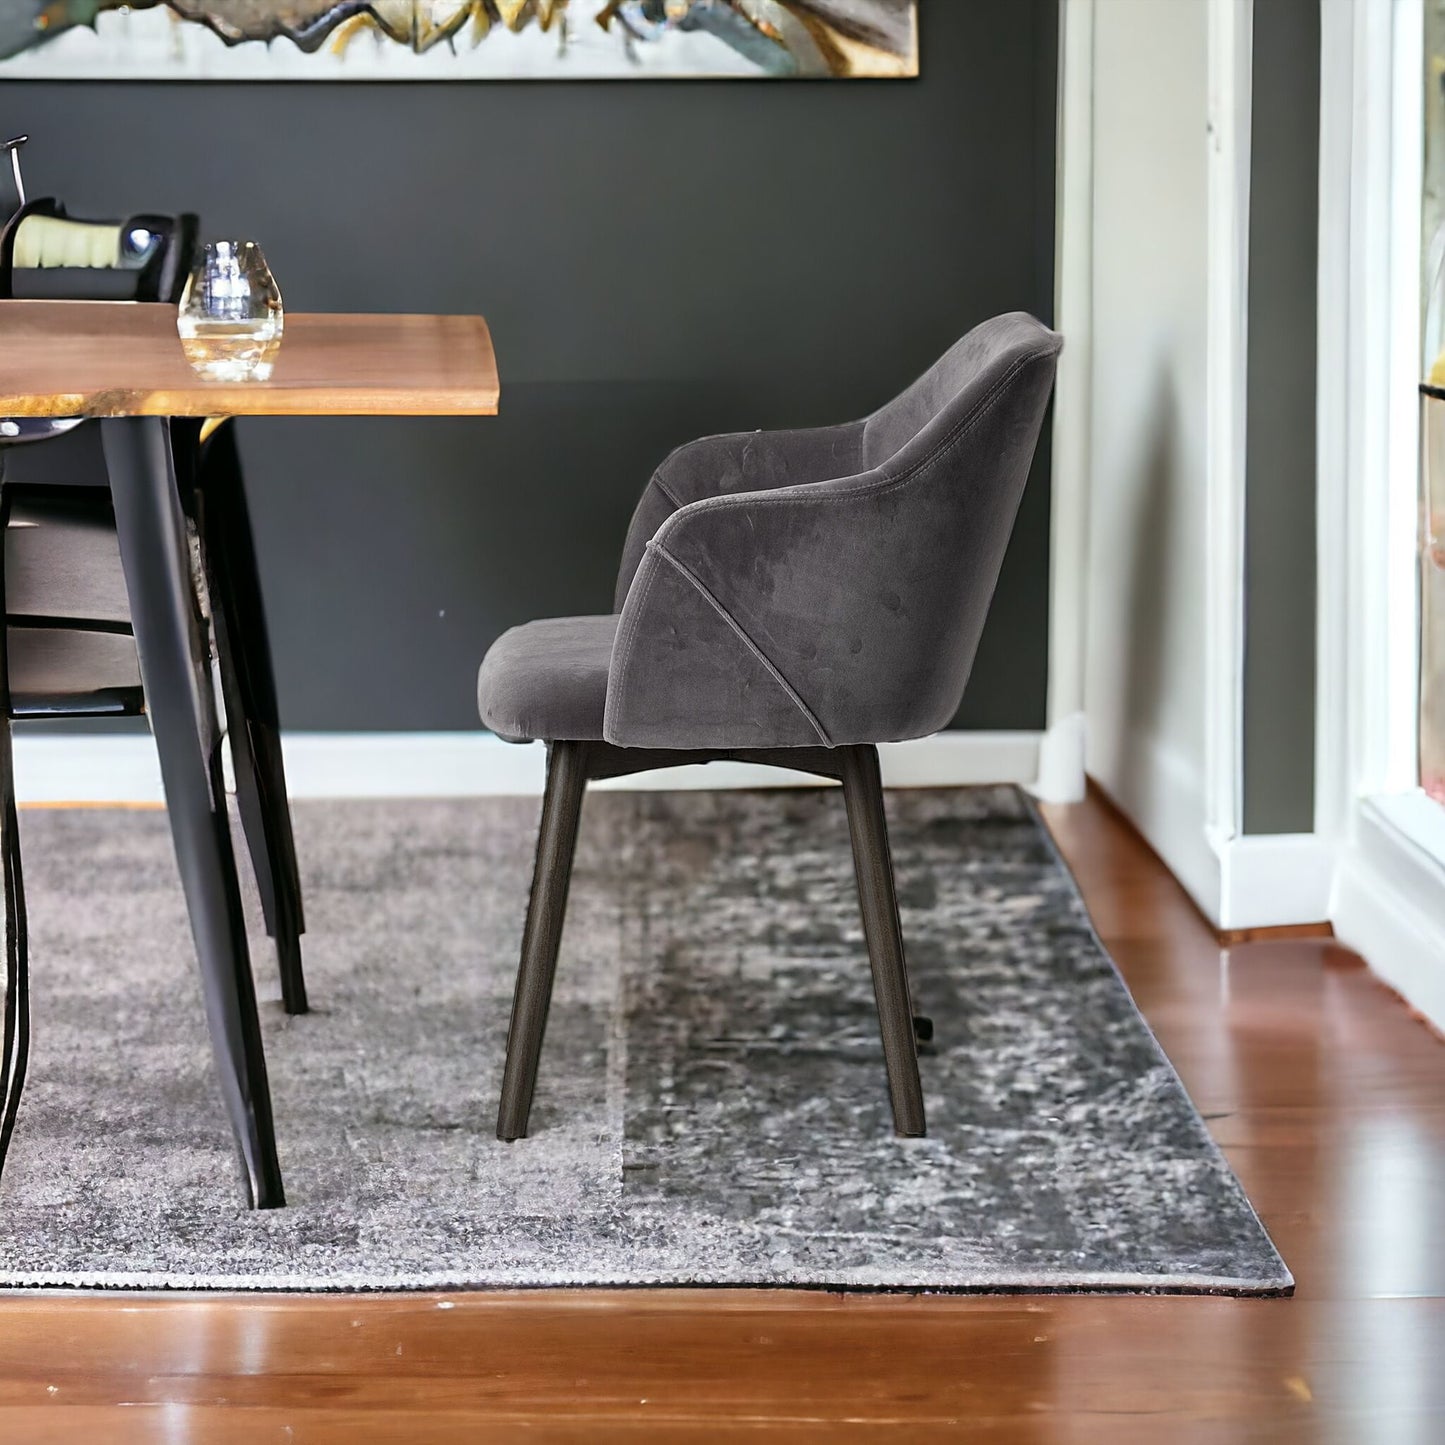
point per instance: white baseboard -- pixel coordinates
(1062, 778)
(123, 769)
(1251, 881)
(1269, 880)
(1163, 796)
(1389, 906)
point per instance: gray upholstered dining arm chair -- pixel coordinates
(793, 598)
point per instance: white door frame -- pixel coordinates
(1231, 79)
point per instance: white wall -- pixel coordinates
(1145, 689)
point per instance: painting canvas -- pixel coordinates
(456, 39)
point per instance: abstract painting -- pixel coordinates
(456, 39)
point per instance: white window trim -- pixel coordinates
(1388, 898)
(1061, 754)
(1231, 72)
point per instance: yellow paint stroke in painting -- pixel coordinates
(548, 11)
(346, 32)
(513, 13)
(858, 58)
(438, 21)
(1297, 1387)
(404, 20)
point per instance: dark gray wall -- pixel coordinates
(1279, 653)
(657, 261)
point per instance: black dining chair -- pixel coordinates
(790, 598)
(68, 649)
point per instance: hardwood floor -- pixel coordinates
(1328, 1097)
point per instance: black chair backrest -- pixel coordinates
(47, 255)
(63, 590)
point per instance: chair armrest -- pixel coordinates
(744, 625)
(750, 461)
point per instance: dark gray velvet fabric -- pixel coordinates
(830, 585)
(547, 679)
(749, 461)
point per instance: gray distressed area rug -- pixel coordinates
(712, 1106)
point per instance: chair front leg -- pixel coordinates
(546, 911)
(877, 895)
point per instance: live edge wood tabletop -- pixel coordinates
(124, 359)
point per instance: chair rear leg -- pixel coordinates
(546, 910)
(863, 794)
(15, 1053)
(17, 964)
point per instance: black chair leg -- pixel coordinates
(17, 964)
(546, 909)
(863, 793)
(248, 691)
(15, 1056)
(175, 669)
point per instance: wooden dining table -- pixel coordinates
(122, 364)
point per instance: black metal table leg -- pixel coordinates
(248, 689)
(175, 669)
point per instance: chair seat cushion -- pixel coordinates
(548, 680)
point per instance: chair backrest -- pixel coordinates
(47, 255)
(952, 454)
(949, 384)
(63, 589)
(867, 592)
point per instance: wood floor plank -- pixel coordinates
(1328, 1097)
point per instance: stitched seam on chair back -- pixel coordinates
(667, 492)
(627, 628)
(773, 670)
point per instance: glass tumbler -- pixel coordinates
(231, 316)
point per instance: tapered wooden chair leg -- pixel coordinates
(863, 793)
(546, 910)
